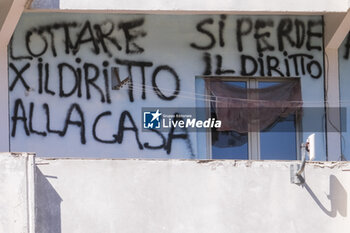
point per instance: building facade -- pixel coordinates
(129, 80)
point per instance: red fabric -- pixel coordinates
(248, 109)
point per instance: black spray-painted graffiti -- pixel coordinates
(20, 117)
(120, 45)
(294, 34)
(83, 79)
(88, 74)
(99, 37)
(347, 47)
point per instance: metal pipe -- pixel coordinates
(303, 155)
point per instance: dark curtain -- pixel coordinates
(254, 109)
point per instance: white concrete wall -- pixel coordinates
(16, 193)
(89, 196)
(39, 41)
(196, 5)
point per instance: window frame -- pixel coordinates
(253, 137)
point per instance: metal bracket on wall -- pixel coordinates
(294, 177)
(297, 175)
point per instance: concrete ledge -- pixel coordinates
(108, 195)
(196, 5)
